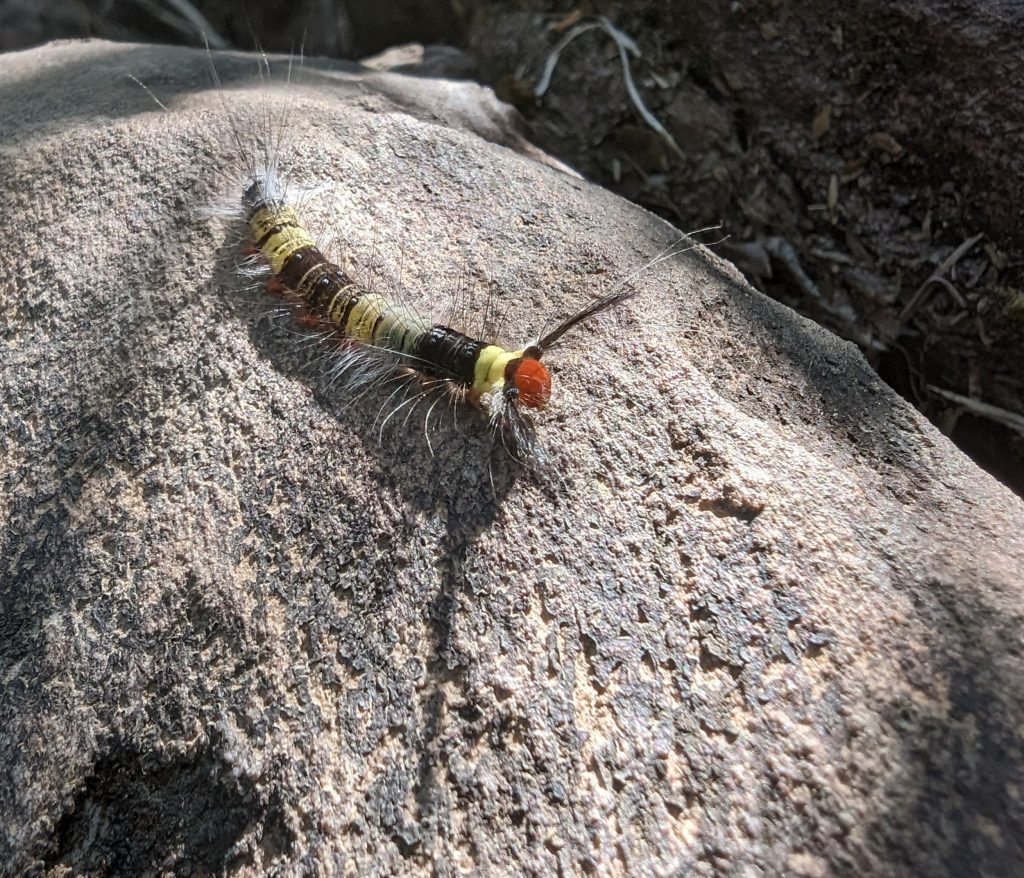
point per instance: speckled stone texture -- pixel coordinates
(763, 620)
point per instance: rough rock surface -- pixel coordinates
(769, 621)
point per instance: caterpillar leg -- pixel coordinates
(305, 318)
(275, 287)
(301, 312)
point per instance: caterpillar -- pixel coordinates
(503, 381)
(374, 336)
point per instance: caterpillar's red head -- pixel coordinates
(530, 377)
(527, 377)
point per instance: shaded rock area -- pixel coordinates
(765, 619)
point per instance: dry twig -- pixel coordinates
(937, 278)
(626, 47)
(983, 409)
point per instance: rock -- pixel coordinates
(766, 618)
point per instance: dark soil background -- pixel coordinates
(862, 156)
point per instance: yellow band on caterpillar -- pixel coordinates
(363, 317)
(489, 371)
(399, 329)
(278, 233)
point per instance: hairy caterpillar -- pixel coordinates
(375, 337)
(503, 381)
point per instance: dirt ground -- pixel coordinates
(861, 157)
